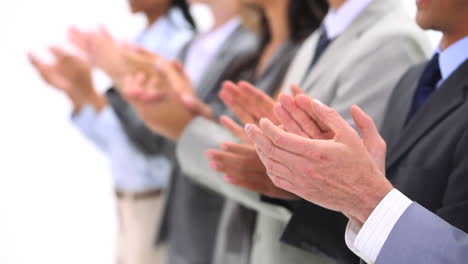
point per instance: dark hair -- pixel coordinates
(184, 7)
(304, 17)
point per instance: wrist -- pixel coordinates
(370, 199)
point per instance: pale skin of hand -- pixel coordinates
(338, 173)
(116, 58)
(71, 75)
(167, 87)
(249, 104)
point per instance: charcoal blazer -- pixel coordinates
(427, 157)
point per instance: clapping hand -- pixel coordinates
(341, 171)
(69, 74)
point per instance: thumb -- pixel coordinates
(371, 138)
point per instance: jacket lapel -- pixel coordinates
(222, 60)
(444, 101)
(340, 47)
(400, 104)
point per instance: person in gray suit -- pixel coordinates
(331, 70)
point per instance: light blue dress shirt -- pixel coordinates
(132, 170)
(452, 57)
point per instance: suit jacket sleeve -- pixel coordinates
(190, 153)
(422, 237)
(455, 201)
(139, 134)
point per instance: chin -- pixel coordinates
(423, 21)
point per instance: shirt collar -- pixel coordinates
(214, 38)
(337, 21)
(172, 20)
(451, 58)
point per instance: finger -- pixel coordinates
(151, 94)
(260, 103)
(248, 153)
(296, 90)
(231, 96)
(290, 155)
(59, 53)
(240, 111)
(240, 149)
(226, 159)
(288, 123)
(229, 92)
(103, 32)
(197, 107)
(78, 38)
(235, 129)
(328, 118)
(35, 61)
(281, 176)
(371, 137)
(303, 120)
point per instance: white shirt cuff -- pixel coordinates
(366, 242)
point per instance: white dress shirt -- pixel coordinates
(366, 242)
(132, 170)
(205, 47)
(337, 21)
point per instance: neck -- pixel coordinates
(223, 11)
(336, 4)
(450, 39)
(278, 21)
(154, 14)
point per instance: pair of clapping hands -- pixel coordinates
(298, 147)
(158, 88)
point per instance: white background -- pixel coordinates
(56, 203)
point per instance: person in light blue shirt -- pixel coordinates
(139, 176)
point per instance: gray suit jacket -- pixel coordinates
(360, 67)
(236, 229)
(422, 237)
(191, 213)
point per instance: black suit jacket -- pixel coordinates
(427, 160)
(428, 157)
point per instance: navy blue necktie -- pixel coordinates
(322, 45)
(427, 85)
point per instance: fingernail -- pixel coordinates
(248, 128)
(263, 121)
(319, 103)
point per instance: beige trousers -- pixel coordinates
(138, 223)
